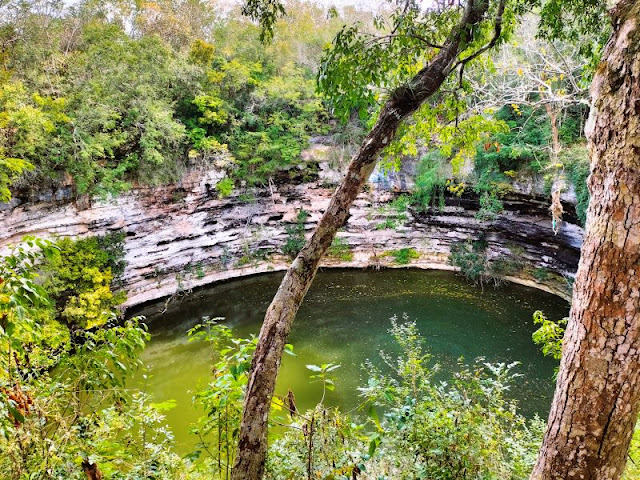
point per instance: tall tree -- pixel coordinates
(597, 397)
(472, 29)
(539, 73)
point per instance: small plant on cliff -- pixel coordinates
(541, 274)
(394, 213)
(340, 249)
(295, 235)
(403, 256)
(490, 206)
(224, 187)
(576, 165)
(470, 258)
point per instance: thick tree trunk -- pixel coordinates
(598, 389)
(252, 444)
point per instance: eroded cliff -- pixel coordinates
(182, 236)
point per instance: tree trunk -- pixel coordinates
(252, 443)
(555, 134)
(598, 389)
(91, 470)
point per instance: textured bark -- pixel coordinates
(91, 470)
(555, 134)
(598, 390)
(252, 444)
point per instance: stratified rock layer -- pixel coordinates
(183, 236)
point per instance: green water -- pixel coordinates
(345, 320)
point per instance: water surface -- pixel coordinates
(345, 320)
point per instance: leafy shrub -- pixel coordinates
(490, 206)
(403, 256)
(63, 403)
(524, 146)
(395, 213)
(470, 258)
(223, 397)
(319, 443)
(541, 274)
(549, 335)
(464, 428)
(79, 277)
(224, 187)
(340, 249)
(295, 235)
(430, 182)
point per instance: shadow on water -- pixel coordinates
(345, 320)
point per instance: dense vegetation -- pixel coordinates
(100, 96)
(66, 408)
(100, 101)
(104, 94)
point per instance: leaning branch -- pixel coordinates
(406, 99)
(497, 32)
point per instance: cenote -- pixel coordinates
(345, 320)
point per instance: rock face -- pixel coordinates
(182, 236)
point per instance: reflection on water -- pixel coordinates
(345, 320)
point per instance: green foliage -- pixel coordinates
(79, 279)
(63, 403)
(26, 121)
(572, 20)
(523, 149)
(549, 335)
(320, 443)
(364, 61)
(430, 182)
(395, 213)
(110, 109)
(263, 119)
(490, 206)
(224, 187)
(223, 397)
(576, 165)
(340, 249)
(441, 128)
(523, 146)
(10, 170)
(253, 255)
(430, 429)
(464, 427)
(21, 299)
(111, 115)
(403, 256)
(295, 235)
(541, 274)
(471, 258)
(266, 13)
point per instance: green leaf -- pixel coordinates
(373, 415)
